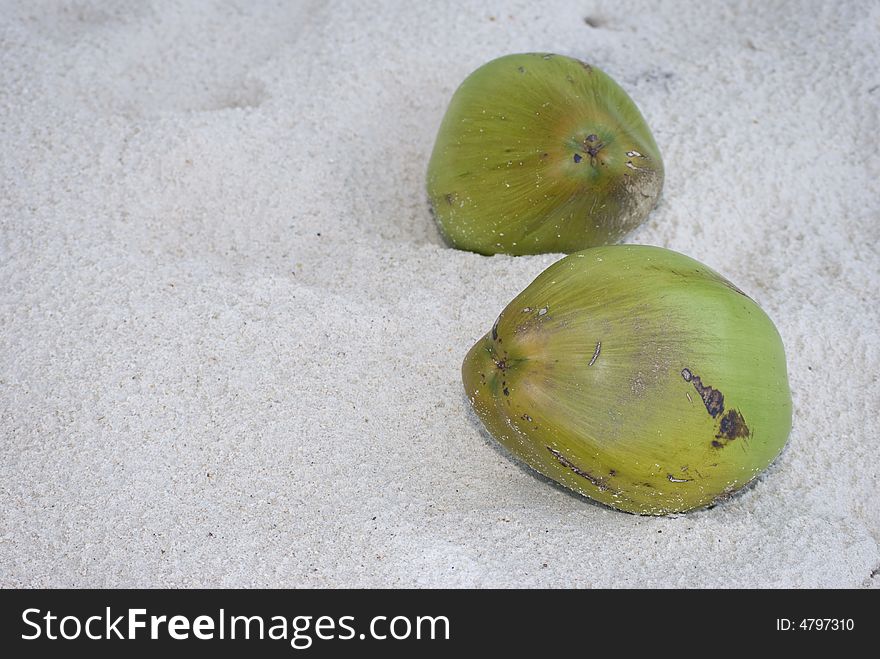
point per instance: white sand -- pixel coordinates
(230, 335)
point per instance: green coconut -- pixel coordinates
(637, 377)
(541, 153)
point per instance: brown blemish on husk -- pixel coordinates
(712, 398)
(568, 464)
(732, 426)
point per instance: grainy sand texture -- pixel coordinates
(231, 335)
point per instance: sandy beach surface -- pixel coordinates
(231, 335)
